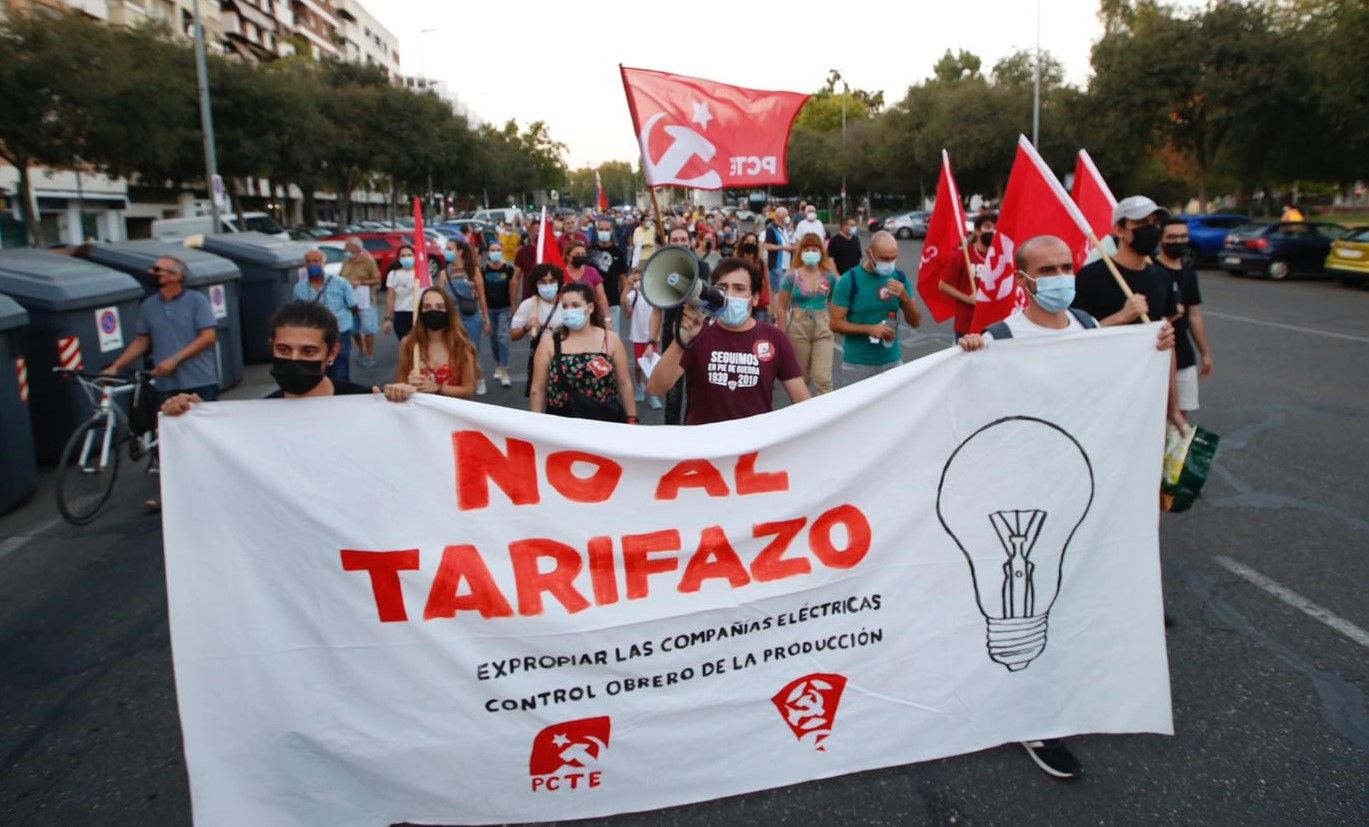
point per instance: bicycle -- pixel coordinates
(90, 460)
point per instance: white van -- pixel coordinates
(176, 230)
(498, 216)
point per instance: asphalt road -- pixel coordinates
(1265, 579)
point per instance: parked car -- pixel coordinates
(1279, 249)
(909, 224)
(1349, 257)
(495, 216)
(1207, 233)
(489, 232)
(177, 230)
(332, 256)
(384, 247)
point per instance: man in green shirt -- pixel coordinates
(865, 309)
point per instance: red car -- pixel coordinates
(384, 247)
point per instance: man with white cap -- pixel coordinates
(1138, 224)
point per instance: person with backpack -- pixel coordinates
(866, 307)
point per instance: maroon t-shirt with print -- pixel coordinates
(732, 375)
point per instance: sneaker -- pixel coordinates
(1053, 758)
(480, 389)
(640, 395)
(154, 465)
(656, 404)
(504, 379)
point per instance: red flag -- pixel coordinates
(421, 270)
(1092, 194)
(942, 257)
(548, 251)
(707, 135)
(1034, 204)
(600, 197)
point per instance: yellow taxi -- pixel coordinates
(1349, 256)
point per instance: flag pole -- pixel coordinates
(660, 221)
(1116, 274)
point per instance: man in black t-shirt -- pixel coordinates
(1189, 327)
(844, 247)
(1137, 225)
(608, 258)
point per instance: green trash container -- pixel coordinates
(18, 465)
(213, 276)
(270, 267)
(81, 315)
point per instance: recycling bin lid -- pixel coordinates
(257, 248)
(135, 257)
(54, 282)
(12, 314)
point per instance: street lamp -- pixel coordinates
(423, 84)
(211, 161)
(845, 156)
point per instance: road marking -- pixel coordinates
(1281, 326)
(18, 541)
(1296, 600)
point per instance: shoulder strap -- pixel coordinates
(999, 331)
(556, 345)
(851, 291)
(1084, 319)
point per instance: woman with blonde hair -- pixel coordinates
(437, 356)
(801, 310)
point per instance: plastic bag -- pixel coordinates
(1188, 458)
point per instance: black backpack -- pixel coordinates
(1001, 331)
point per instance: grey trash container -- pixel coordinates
(213, 276)
(270, 267)
(80, 313)
(18, 465)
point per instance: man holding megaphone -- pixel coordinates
(729, 360)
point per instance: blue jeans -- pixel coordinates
(474, 326)
(341, 369)
(499, 336)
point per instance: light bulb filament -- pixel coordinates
(1017, 532)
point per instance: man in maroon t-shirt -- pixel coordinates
(730, 365)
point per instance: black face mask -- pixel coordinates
(1145, 238)
(434, 319)
(748, 249)
(1175, 250)
(297, 376)
(578, 261)
(985, 238)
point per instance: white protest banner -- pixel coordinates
(477, 615)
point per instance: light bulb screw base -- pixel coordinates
(1016, 641)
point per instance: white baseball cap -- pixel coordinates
(1135, 208)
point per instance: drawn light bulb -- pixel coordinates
(1011, 497)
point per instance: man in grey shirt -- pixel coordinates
(178, 325)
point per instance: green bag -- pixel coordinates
(1188, 458)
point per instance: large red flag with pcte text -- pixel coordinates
(942, 253)
(1034, 204)
(707, 135)
(1093, 195)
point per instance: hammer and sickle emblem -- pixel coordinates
(991, 275)
(685, 143)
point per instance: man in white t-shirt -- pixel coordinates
(810, 224)
(1045, 270)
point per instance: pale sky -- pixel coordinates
(558, 62)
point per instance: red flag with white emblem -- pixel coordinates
(1034, 204)
(708, 135)
(941, 250)
(1092, 194)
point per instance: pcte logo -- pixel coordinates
(564, 756)
(809, 706)
(764, 350)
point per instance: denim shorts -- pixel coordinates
(368, 322)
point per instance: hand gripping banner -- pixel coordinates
(478, 615)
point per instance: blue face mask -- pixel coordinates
(547, 291)
(885, 268)
(349, 255)
(315, 271)
(1054, 293)
(736, 311)
(496, 256)
(574, 317)
(451, 255)
(407, 262)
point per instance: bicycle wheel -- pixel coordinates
(83, 484)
